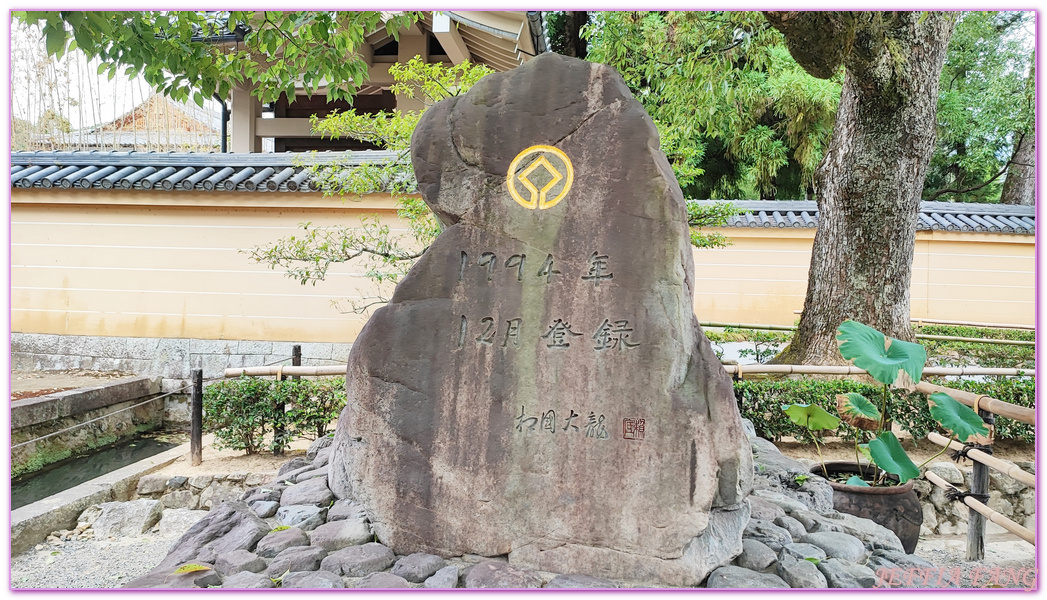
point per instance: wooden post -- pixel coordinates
(196, 418)
(975, 520)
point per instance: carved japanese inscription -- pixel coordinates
(538, 386)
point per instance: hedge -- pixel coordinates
(761, 402)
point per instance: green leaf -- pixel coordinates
(868, 349)
(888, 454)
(812, 559)
(811, 416)
(190, 568)
(860, 406)
(956, 417)
(54, 40)
(864, 450)
(279, 528)
(855, 480)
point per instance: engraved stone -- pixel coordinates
(539, 385)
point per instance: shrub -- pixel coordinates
(243, 413)
(761, 402)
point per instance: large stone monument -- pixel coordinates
(539, 385)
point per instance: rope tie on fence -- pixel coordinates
(955, 494)
(738, 373)
(958, 455)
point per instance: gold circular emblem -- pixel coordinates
(539, 177)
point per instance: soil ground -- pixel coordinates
(30, 384)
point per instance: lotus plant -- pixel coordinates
(891, 362)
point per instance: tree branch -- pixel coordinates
(980, 186)
(818, 40)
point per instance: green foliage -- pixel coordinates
(279, 528)
(886, 360)
(717, 214)
(888, 454)
(860, 406)
(279, 48)
(811, 416)
(956, 417)
(738, 117)
(869, 350)
(948, 353)
(386, 256)
(243, 413)
(858, 481)
(985, 97)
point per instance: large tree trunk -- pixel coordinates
(869, 183)
(1020, 187)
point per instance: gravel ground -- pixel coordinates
(1014, 558)
(89, 563)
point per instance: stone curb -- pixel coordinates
(32, 523)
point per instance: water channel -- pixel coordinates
(81, 468)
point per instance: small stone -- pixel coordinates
(737, 577)
(128, 518)
(755, 556)
(304, 517)
(803, 551)
(579, 581)
(276, 542)
(311, 474)
(200, 481)
(800, 573)
(237, 477)
(1005, 483)
(290, 476)
(418, 567)
(445, 578)
(263, 493)
(256, 479)
(762, 509)
(357, 561)
(311, 580)
(843, 574)
(246, 580)
(794, 527)
(313, 491)
(785, 502)
(837, 545)
(319, 444)
(947, 471)
(767, 532)
(497, 574)
(89, 515)
(344, 509)
(180, 499)
(292, 465)
(176, 521)
(305, 558)
(230, 563)
(322, 457)
(382, 580)
(176, 482)
(151, 484)
(264, 509)
(348, 532)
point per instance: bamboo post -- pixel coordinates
(196, 419)
(989, 513)
(302, 371)
(852, 370)
(1008, 469)
(976, 521)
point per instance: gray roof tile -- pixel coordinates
(271, 172)
(941, 216)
